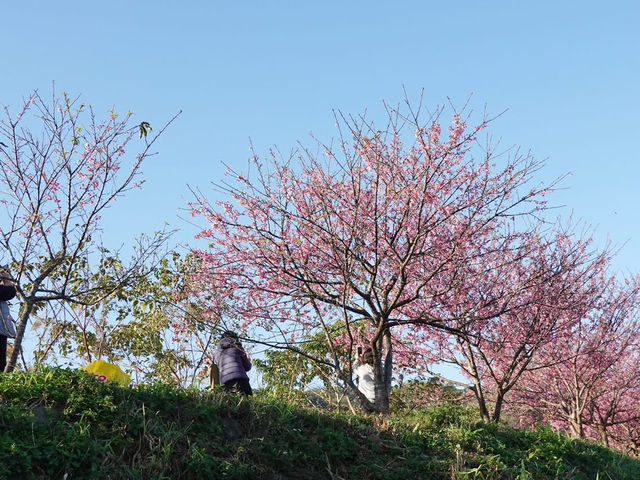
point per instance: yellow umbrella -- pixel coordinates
(104, 372)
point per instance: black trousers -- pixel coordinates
(238, 385)
(3, 352)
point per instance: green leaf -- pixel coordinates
(145, 128)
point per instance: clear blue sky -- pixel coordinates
(569, 73)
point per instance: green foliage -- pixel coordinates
(144, 129)
(285, 373)
(419, 394)
(289, 373)
(58, 422)
(132, 326)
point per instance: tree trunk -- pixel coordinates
(497, 409)
(482, 403)
(604, 435)
(576, 428)
(383, 374)
(17, 342)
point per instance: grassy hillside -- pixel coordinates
(59, 424)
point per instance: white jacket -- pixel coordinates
(365, 381)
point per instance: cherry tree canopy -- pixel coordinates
(382, 232)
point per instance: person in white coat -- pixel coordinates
(7, 330)
(364, 373)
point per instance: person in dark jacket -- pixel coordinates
(233, 364)
(7, 292)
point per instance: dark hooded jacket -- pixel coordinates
(7, 292)
(231, 360)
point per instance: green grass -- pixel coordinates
(58, 422)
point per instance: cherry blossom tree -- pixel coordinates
(62, 168)
(627, 434)
(555, 279)
(614, 400)
(590, 374)
(363, 240)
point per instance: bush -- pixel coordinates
(418, 394)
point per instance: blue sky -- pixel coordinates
(568, 73)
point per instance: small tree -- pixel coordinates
(370, 231)
(61, 169)
(556, 280)
(288, 374)
(587, 381)
(136, 328)
(614, 403)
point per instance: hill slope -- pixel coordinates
(58, 422)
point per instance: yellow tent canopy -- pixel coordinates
(104, 372)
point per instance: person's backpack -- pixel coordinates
(6, 321)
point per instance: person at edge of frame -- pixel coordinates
(7, 330)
